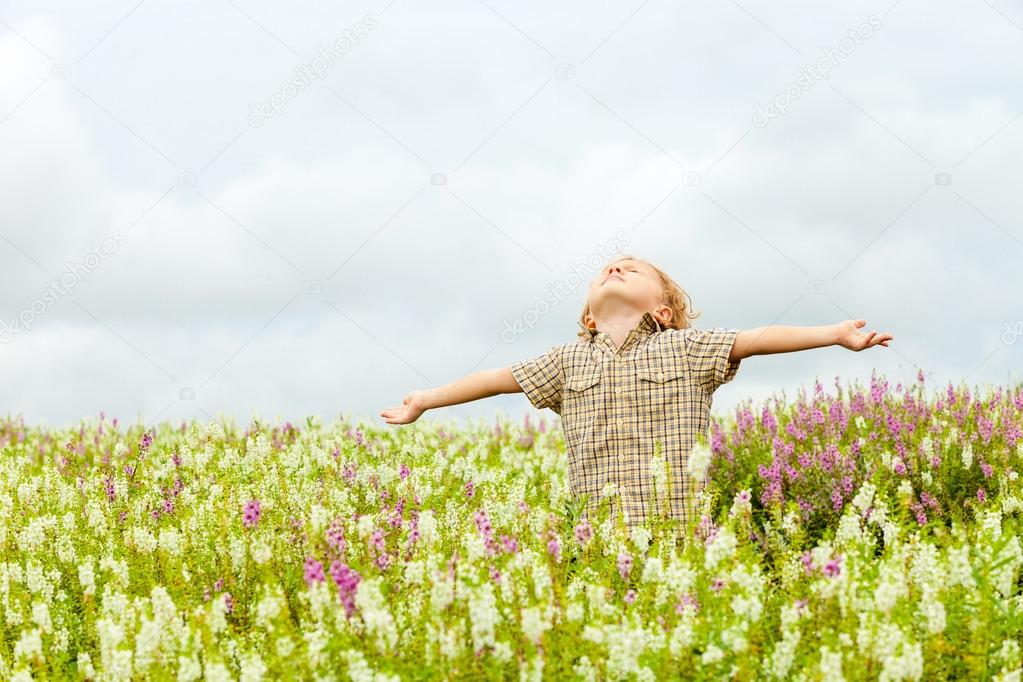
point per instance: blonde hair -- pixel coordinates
(673, 296)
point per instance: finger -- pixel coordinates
(860, 323)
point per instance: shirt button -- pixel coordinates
(621, 423)
(660, 376)
(618, 391)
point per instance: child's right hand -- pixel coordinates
(411, 409)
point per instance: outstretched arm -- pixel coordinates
(785, 339)
(481, 384)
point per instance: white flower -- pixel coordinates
(641, 538)
(790, 522)
(375, 613)
(574, 611)
(831, 665)
(86, 576)
(533, 625)
(711, 655)
(721, 547)
(29, 645)
(698, 461)
(967, 456)
(741, 503)
(284, 646)
(253, 669)
(484, 616)
(261, 552)
(170, 541)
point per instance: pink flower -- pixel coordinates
(511, 545)
(981, 495)
(313, 571)
(584, 532)
(468, 488)
(250, 514)
(403, 471)
(687, 600)
(554, 549)
(347, 580)
(630, 596)
(986, 468)
(624, 564)
(377, 540)
(833, 568)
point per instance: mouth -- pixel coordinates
(610, 277)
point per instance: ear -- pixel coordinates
(589, 322)
(663, 314)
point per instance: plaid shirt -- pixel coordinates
(615, 404)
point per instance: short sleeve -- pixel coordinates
(707, 352)
(541, 379)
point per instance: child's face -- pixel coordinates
(625, 283)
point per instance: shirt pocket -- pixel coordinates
(582, 403)
(660, 385)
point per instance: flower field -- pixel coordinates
(863, 533)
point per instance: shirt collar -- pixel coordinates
(647, 325)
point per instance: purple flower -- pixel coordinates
(511, 545)
(250, 514)
(347, 580)
(981, 495)
(554, 548)
(833, 567)
(147, 440)
(986, 468)
(687, 600)
(468, 488)
(624, 565)
(313, 571)
(377, 540)
(583, 532)
(228, 602)
(403, 471)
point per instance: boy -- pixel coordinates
(639, 375)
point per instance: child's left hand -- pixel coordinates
(849, 336)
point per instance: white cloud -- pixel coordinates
(537, 177)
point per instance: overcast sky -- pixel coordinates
(184, 232)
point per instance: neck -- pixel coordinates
(618, 324)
